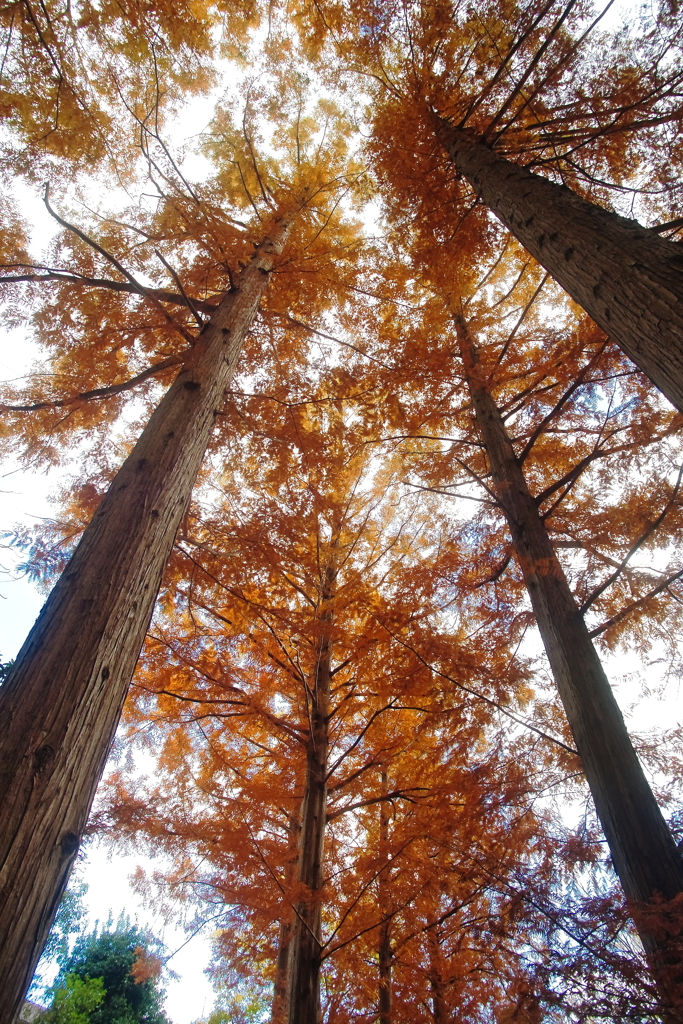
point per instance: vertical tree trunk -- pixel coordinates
(282, 970)
(384, 885)
(61, 704)
(280, 1007)
(304, 958)
(628, 279)
(439, 1011)
(642, 848)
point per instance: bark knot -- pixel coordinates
(69, 843)
(43, 758)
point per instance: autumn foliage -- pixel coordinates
(361, 774)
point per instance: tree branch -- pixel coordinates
(105, 392)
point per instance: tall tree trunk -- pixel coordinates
(61, 704)
(304, 957)
(643, 850)
(628, 279)
(384, 900)
(280, 1007)
(439, 1011)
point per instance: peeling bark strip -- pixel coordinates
(642, 848)
(306, 945)
(627, 279)
(60, 706)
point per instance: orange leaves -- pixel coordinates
(67, 83)
(122, 300)
(224, 698)
(146, 966)
(346, 502)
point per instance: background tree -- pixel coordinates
(125, 962)
(75, 1000)
(540, 407)
(235, 634)
(87, 639)
(66, 80)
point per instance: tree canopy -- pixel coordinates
(327, 385)
(109, 977)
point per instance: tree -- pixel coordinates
(623, 274)
(222, 697)
(578, 673)
(75, 1001)
(541, 89)
(306, 538)
(111, 977)
(62, 701)
(81, 626)
(625, 804)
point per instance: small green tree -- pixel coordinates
(75, 1001)
(126, 962)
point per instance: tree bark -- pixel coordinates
(280, 1007)
(439, 1011)
(61, 704)
(384, 884)
(627, 278)
(305, 950)
(643, 850)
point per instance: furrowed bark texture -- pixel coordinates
(306, 946)
(642, 848)
(628, 279)
(385, 955)
(60, 707)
